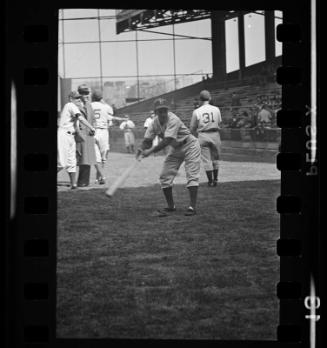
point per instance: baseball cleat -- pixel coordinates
(215, 183)
(210, 183)
(74, 187)
(190, 212)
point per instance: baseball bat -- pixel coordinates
(120, 180)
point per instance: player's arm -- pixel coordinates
(78, 116)
(84, 121)
(147, 141)
(111, 117)
(153, 149)
(146, 144)
(163, 143)
(194, 124)
(169, 136)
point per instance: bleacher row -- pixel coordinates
(250, 98)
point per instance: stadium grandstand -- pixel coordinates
(254, 85)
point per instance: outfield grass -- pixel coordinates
(123, 273)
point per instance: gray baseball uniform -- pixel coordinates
(184, 147)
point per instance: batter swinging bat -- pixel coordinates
(120, 180)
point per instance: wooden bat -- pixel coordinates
(121, 179)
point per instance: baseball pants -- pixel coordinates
(101, 138)
(210, 149)
(190, 152)
(129, 138)
(66, 150)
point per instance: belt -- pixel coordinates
(211, 130)
(72, 133)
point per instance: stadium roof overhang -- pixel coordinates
(130, 20)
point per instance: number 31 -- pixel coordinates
(206, 117)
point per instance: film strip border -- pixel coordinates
(298, 244)
(32, 76)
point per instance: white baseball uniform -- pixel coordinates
(127, 127)
(205, 120)
(66, 139)
(147, 124)
(148, 121)
(103, 115)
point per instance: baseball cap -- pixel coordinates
(74, 95)
(160, 104)
(97, 95)
(205, 95)
(84, 90)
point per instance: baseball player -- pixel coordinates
(149, 120)
(147, 123)
(183, 147)
(205, 123)
(127, 126)
(66, 140)
(103, 114)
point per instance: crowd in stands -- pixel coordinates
(251, 117)
(248, 106)
(260, 112)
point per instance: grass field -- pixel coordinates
(125, 274)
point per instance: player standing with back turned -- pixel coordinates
(205, 122)
(103, 114)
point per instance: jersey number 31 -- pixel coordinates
(206, 117)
